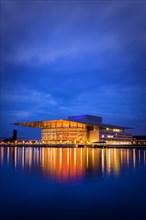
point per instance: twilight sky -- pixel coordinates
(61, 58)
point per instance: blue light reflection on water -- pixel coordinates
(72, 183)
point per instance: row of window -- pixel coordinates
(112, 129)
(113, 133)
(63, 130)
(62, 124)
(63, 136)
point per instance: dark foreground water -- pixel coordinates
(71, 183)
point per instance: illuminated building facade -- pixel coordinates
(82, 129)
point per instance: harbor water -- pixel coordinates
(72, 183)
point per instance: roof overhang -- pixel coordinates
(45, 123)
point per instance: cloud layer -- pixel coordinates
(73, 57)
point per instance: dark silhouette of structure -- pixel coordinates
(14, 135)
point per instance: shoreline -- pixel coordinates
(75, 146)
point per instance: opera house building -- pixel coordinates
(81, 129)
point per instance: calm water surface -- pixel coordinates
(72, 183)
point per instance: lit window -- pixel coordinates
(110, 136)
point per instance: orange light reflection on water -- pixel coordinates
(71, 163)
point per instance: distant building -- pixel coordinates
(139, 140)
(80, 129)
(14, 135)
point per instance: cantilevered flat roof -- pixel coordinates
(112, 126)
(42, 124)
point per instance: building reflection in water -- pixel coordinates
(71, 163)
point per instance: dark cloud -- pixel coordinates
(73, 57)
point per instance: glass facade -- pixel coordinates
(64, 132)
